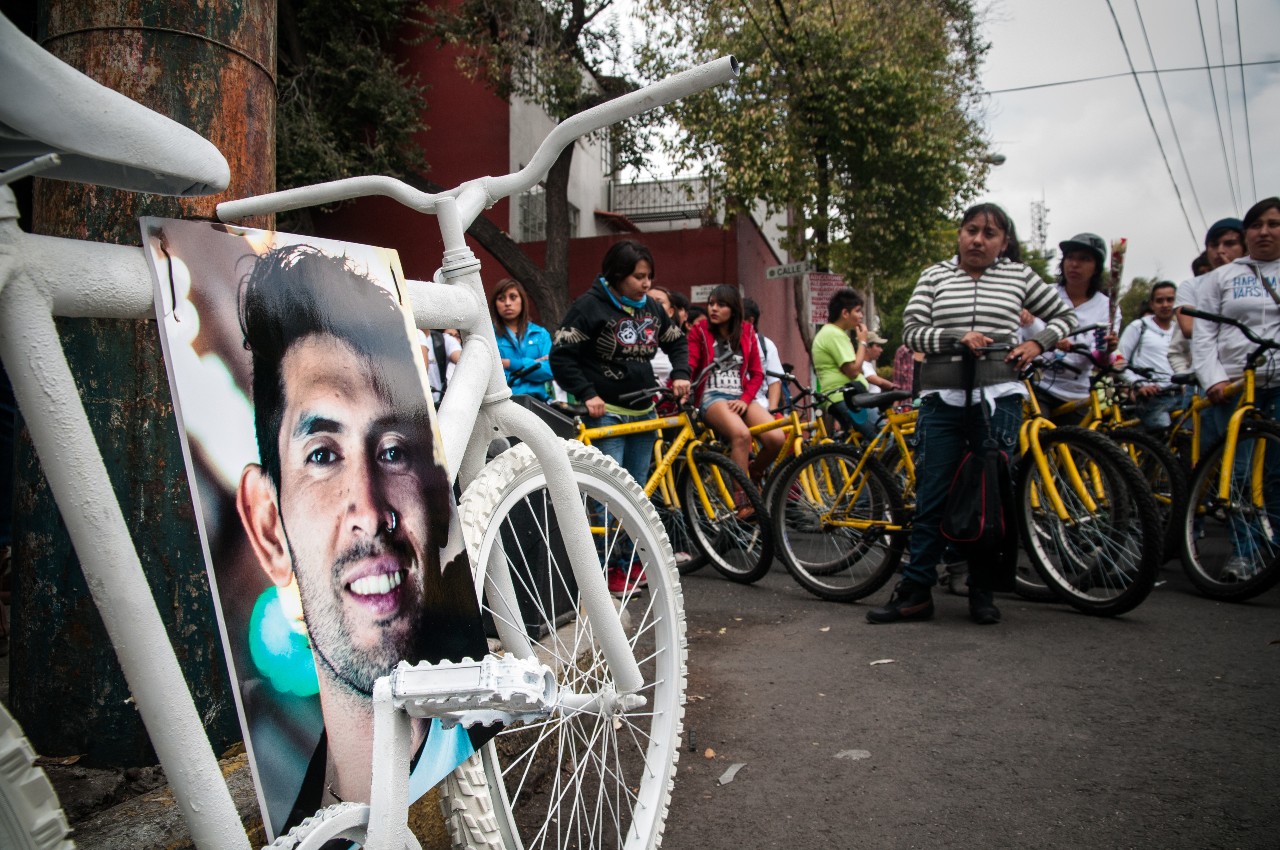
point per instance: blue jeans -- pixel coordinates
(1154, 412)
(634, 453)
(944, 433)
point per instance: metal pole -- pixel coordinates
(208, 66)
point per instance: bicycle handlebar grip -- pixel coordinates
(642, 395)
(1096, 326)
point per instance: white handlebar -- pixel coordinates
(479, 194)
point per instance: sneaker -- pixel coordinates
(1238, 568)
(620, 583)
(636, 575)
(910, 601)
(982, 607)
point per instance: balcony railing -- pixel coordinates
(662, 200)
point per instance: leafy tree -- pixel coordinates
(553, 53)
(1043, 263)
(345, 106)
(1133, 299)
(856, 117)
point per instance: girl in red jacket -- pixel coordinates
(726, 395)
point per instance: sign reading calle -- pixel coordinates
(789, 270)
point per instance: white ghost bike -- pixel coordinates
(594, 693)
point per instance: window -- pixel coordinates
(533, 216)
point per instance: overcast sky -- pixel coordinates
(1088, 149)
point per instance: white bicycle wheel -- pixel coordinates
(588, 779)
(30, 815)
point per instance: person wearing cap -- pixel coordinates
(1081, 287)
(875, 347)
(1247, 290)
(1223, 243)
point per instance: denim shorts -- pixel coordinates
(710, 397)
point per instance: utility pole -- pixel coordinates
(211, 67)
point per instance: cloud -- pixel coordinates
(1088, 149)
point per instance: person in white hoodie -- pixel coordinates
(1247, 290)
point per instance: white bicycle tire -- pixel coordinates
(30, 816)
(483, 810)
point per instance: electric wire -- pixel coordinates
(1244, 98)
(1077, 80)
(1173, 125)
(1226, 90)
(1213, 93)
(1159, 144)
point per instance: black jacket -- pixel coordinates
(603, 350)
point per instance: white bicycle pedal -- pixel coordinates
(495, 689)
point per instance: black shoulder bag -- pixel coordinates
(979, 517)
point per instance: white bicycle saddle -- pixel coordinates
(101, 136)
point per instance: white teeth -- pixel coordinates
(376, 585)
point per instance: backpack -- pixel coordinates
(979, 516)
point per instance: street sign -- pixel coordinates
(821, 287)
(789, 270)
(700, 294)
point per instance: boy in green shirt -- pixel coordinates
(837, 360)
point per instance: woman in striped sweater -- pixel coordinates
(972, 301)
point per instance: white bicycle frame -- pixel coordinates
(43, 277)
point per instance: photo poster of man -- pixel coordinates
(325, 511)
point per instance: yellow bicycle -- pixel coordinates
(1231, 527)
(708, 505)
(1089, 523)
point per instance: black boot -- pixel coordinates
(982, 607)
(910, 601)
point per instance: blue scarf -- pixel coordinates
(621, 300)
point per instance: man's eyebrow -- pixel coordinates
(316, 424)
(398, 421)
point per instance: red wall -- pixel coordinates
(467, 136)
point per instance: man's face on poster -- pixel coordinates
(352, 505)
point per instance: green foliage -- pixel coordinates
(1134, 298)
(855, 115)
(1044, 263)
(346, 106)
(554, 53)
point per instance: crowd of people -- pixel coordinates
(626, 335)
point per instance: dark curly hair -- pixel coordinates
(297, 291)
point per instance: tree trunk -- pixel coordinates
(552, 299)
(208, 66)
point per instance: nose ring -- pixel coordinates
(391, 521)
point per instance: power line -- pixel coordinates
(1244, 96)
(1213, 92)
(1151, 121)
(1226, 89)
(1173, 125)
(1157, 71)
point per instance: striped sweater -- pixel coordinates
(947, 303)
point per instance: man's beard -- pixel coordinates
(356, 669)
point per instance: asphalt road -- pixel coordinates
(1158, 729)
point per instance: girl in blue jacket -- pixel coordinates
(523, 346)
